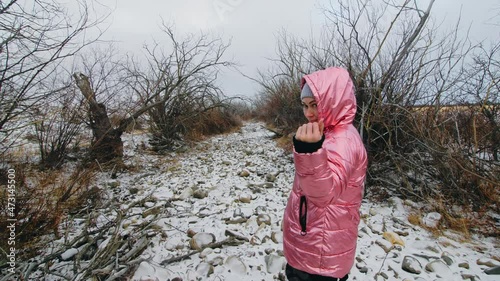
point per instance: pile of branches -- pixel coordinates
(104, 251)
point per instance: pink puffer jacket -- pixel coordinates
(332, 180)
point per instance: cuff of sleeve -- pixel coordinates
(306, 147)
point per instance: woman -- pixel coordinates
(320, 225)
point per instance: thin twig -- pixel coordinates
(232, 241)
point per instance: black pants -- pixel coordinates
(294, 274)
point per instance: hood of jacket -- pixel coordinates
(333, 91)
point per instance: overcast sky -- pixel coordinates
(252, 26)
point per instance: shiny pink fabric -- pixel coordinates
(332, 179)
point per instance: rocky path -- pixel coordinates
(234, 185)
(237, 185)
(214, 213)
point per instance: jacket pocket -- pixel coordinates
(303, 215)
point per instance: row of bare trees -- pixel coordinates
(42, 57)
(176, 89)
(407, 74)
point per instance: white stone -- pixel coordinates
(264, 219)
(204, 269)
(215, 259)
(384, 244)
(441, 269)
(206, 252)
(432, 219)
(376, 228)
(245, 197)
(412, 265)
(69, 254)
(277, 237)
(187, 193)
(235, 265)
(172, 243)
(274, 263)
(200, 240)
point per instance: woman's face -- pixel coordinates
(310, 108)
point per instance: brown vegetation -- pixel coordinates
(428, 103)
(44, 200)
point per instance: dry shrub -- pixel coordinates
(54, 138)
(424, 153)
(242, 110)
(211, 122)
(455, 220)
(454, 142)
(441, 147)
(43, 201)
(279, 106)
(415, 219)
(190, 120)
(285, 142)
(170, 125)
(490, 191)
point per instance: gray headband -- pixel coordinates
(306, 92)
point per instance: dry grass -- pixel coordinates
(433, 154)
(193, 124)
(415, 219)
(212, 122)
(43, 202)
(452, 220)
(279, 106)
(286, 143)
(462, 220)
(490, 191)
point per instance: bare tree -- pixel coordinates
(35, 39)
(407, 74)
(171, 88)
(483, 90)
(277, 101)
(57, 124)
(183, 84)
(106, 141)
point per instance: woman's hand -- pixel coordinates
(310, 132)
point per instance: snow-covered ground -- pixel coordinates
(230, 192)
(239, 183)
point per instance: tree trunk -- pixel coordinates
(107, 144)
